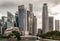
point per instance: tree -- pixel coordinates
(1, 36)
(15, 34)
(51, 35)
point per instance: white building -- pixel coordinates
(10, 29)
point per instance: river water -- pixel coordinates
(32, 40)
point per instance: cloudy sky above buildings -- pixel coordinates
(12, 6)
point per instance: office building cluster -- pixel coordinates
(48, 22)
(24, 19)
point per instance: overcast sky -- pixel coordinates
(12, 6)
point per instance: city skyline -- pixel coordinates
(37, 8)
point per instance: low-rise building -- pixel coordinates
(9, 30)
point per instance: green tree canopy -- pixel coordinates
(51, 35)
(15, 34)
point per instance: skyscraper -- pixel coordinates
(30, 22)
(16, 20)
(51, 23)
(22, 16)
(57, 22)
(4, 18)
(30, 7)
(30, 17)
(45, 21)
(4, 25)
(34, 28)
(1, 29)
(10, 20)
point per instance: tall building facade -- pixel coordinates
(22, 16)
(4, 25)
(34, 28)
(1, 29)
(51, 23)
(39, 31)
(45, 20)
(10, 20)
(30, 17)
(30, 22)
(4, 18)
(30, 7)
(57, 22)
(16, 20)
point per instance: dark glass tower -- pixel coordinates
(16, 20)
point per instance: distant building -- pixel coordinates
(57, 22)
(45, 19)
(22, 16)
(1, 23)
(39, 31)
(30, 7)
(16, 20)
(30, 17)
(34, 28)
(51, 23)
(4, 19)
(9, 30)
(28, 21)
(4, 25)
(10, 20)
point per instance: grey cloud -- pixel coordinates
(8, 4)
(37, 4)
(54, 1)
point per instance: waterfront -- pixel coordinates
(32, 40)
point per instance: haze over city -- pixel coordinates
(12, 5)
